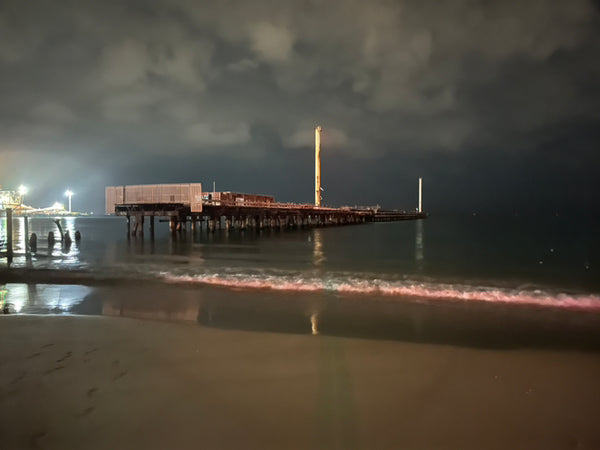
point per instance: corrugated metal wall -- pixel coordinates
(186, 194)
(196, 197)
(110, 197)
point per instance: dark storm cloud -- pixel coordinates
(111, 92)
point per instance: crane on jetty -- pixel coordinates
(182, 203)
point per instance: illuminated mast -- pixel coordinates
(420, 194)
(318, 166)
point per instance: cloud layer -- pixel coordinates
(391, 82)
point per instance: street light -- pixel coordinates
(69, 194)
(22, 191)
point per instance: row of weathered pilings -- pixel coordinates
(215, 218)
(31, 240)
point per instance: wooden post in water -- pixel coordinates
(9, 233)
(26, 220)
(128, 226)
(136, 224)
(151, 227)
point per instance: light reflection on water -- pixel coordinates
(419, 256)
(59, 253)
(318, 255)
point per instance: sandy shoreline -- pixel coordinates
(101, 382)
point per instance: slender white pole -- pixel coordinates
(69, 194)
(420, 194)
(318, 166)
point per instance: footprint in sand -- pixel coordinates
(92, 391)
(120, 375)
(48, 372)
(91, 351)
(67, 355)
(47, 345)
(86, 411)
(18, 378)
(35, 438)
(33, 355)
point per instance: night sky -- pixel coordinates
(496, 104)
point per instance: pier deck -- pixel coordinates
(181, 204)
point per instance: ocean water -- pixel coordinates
(465, 279)
(550, 260)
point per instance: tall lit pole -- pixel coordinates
(420, 194)
(318, 166)
(69, 194)
(22, 191)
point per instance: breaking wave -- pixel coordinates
(371, 285)
(392, 289)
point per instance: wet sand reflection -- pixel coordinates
(43, 298)
(478, 326)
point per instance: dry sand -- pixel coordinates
(110, 383)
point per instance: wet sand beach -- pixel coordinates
(117, 382)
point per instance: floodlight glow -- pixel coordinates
(22, 190)
(69, 194)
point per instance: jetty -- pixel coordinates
(180, 204)
(183, 204)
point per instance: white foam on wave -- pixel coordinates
(418, 291)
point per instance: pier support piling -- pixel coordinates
(9, 235)
(26, 226)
